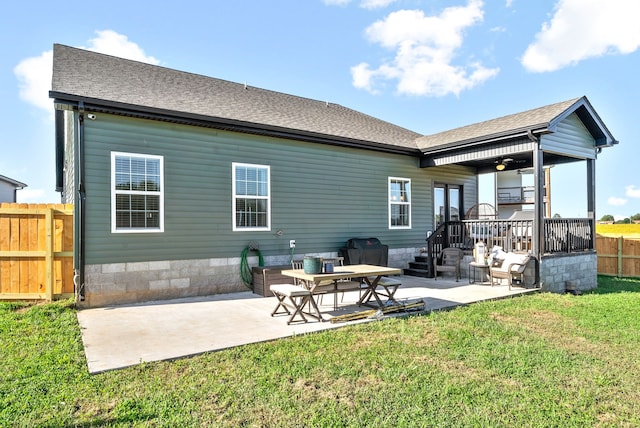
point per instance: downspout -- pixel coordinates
(538, 219)
(80, 271)
(15, 193)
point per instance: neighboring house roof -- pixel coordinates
(15, 183)
(98, 79)
(537, 121)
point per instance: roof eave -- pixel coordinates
(119, 108)
(591, 120)
(15, 183)
(539, 129)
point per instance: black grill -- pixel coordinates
(369, 251)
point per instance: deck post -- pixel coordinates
(538, 240)
(591, 198)
(538, 219)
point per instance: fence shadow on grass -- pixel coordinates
(609, 284)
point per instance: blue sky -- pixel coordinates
(427, 65)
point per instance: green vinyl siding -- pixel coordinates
(571, 139)
(321, 195)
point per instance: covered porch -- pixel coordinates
(563, 249)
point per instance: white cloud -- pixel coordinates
(632, 191)
(581, 29)
(616, 202)
(34, 80)
(425, 47)
(111, 43)
(362, 77)
(27, 195)
(34, 74)
(375, 4)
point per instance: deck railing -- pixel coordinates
(516, 195)
(568, 235)
(562, 235)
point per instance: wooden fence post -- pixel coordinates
(49, 253)
(34, 240)
(620, 247)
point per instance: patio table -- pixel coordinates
(371, 275)
(474, 268)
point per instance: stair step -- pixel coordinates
(419, 265)
(423, 259)
(417, 272)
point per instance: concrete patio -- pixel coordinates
(120, 336)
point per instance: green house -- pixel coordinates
(179, 179)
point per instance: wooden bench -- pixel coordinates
(297, 296)
(390, 286)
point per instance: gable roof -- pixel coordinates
(15, 183)
(117, 83)
(112, 84)
(537, 121)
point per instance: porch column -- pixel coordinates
(591, 198)
(537, 240)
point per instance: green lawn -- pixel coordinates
(533, 361)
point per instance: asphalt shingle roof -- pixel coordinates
(84, 75)
(90, 75)
(538, 118)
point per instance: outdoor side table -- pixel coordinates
(474, 268)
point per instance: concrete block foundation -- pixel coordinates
(579, 270)
(123, 283)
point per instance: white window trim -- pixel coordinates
(114, 192)
(234, 197)
(391, 203)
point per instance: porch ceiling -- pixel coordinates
(484, 158)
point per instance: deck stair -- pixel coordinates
(419, 267)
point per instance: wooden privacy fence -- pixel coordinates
(36, 251)
(618, 256)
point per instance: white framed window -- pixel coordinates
(251, 197)
(137, 193)
(399, 203)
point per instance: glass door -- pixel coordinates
(447, 203)
(455, 196)
(439, 214)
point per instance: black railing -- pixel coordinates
(568, 235)
(562, 235)
(516, 195)
(511, 235)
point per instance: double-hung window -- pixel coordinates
(251, 197)
(399, 203)
(137, 193)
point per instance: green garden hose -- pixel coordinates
(245, 269)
